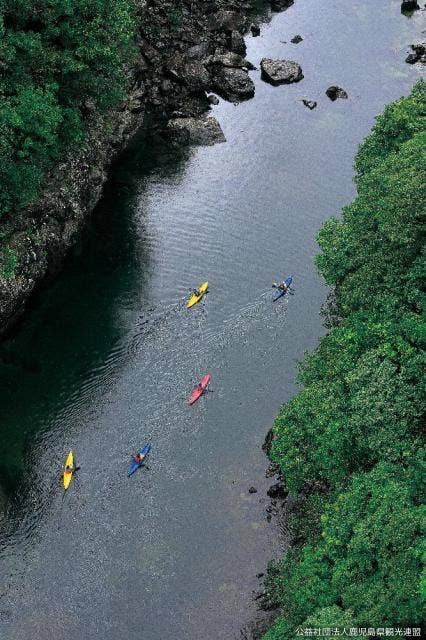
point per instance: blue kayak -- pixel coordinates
(138, 463)
(281, 292)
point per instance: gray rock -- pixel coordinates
(409, 5)
(255, 30)
(280, 71)
(196, 76)
(281, 5)
(252, 490)
(199, 51)
(335, 92)
(296, 39)
(412, 58)
(237, 43)
(226, 21)
(232, 60)
(233, 84)
(213, 99)
(311, 104)
(418, 55)
(196, 131)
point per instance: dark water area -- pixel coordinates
(108, 355)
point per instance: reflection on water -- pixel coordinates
(107, 357)
(78, 314)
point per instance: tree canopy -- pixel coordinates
(356, 427)
(55, 56)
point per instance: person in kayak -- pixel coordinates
(137, 457)
(283, 286)
(69, 469)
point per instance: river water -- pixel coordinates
(108, 355)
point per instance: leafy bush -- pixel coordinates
(8, 263)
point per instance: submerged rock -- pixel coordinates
(233, 84)
(335, 92)
(252, 490)
(281, 5)
(296, 39)
(196, 131)
(311, 104)
(280, 71)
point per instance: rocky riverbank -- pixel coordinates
(185, 50)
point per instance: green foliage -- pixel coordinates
(8, 263)
(55, 55)
(357, 425)
(175, 19)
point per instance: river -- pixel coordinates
(107, 356)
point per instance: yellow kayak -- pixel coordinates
(69, 462)
(197, 297)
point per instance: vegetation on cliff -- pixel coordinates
(352, 438)
(60, 60)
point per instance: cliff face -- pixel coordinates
(185, 48)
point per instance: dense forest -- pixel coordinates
(60, 60)
(351, 441)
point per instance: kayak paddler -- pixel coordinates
(137, 457)
(71, 469)
(283, 286)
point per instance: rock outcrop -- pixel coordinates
(178, 63)
(196, 131)
(281, 5)
(233, 84)
(280, 71)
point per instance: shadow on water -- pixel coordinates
(75, 324)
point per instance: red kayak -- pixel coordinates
(201, 386)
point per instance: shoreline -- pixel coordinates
(169, 82)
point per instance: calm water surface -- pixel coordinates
(108, 355)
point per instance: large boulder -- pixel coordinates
(281, 5)
(409, 5)
(233, 84)
(335, 92)
(196, 131)
(280, 71)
